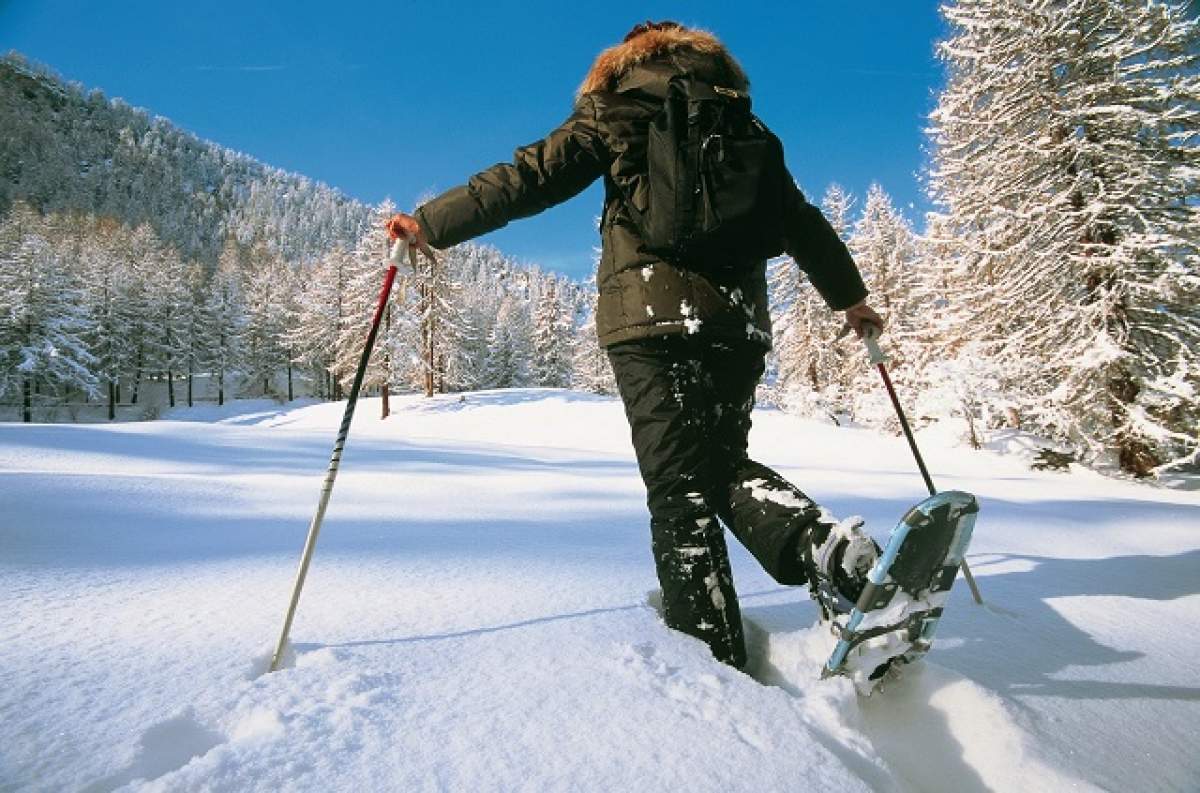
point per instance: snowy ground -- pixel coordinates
(476, 617)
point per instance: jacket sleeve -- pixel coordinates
(541, 175)
(820, 252)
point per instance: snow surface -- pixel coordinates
(477, 616)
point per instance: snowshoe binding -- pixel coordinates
(895, 616)
(840, 557)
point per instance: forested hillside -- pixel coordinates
(70, 150)
(131, 251)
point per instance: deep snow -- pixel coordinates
(477, 615)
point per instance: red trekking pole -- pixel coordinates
(871, 339)
(310, 544)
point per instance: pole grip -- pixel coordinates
(871, 340)
(399, 248)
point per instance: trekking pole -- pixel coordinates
(871, 339)
(397, 252)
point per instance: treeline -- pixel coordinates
(92, 307)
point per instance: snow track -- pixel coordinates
(476, 616)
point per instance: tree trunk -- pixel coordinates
(170, 378)
(386, 408)
(221, 387)
(1134, 454)
(291, 395)
(137, 378)
(972, 434)
(27, 399)
(427, 338)
(112, 400)
(190, 376)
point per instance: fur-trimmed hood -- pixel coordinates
(614, 61)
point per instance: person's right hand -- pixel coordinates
(860, 315)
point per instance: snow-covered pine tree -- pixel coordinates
(783, 289)
(953, 374)
(145, 257)
(100, 247)
(886, 248)
(264, 299)
(552, 332)
(813, 375)
(479, 304)
(43, 323)
(287, 290)
(463, 324)
(313, 330)
(510, 346)
(401, 333)
(226, 312)
(590, 369)
(441, 330)
(838, 206)
(194, 327)
(1067, 159)
(484, 274)
(169, 303)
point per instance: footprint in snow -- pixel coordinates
(165, 747)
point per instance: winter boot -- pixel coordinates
(838, 558)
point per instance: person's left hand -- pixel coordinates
(402, 226)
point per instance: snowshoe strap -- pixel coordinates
(914, 621)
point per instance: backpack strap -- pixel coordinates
(639, 217)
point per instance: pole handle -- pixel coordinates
(871, 340)
(399, 249)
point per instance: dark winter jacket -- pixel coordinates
(640, 294)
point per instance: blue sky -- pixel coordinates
(405, 99)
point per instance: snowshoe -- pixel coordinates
(896, 615)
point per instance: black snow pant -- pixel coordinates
(688, 401)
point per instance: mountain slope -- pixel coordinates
(67, 150)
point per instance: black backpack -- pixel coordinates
(716, 180)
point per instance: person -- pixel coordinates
(687, 348)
